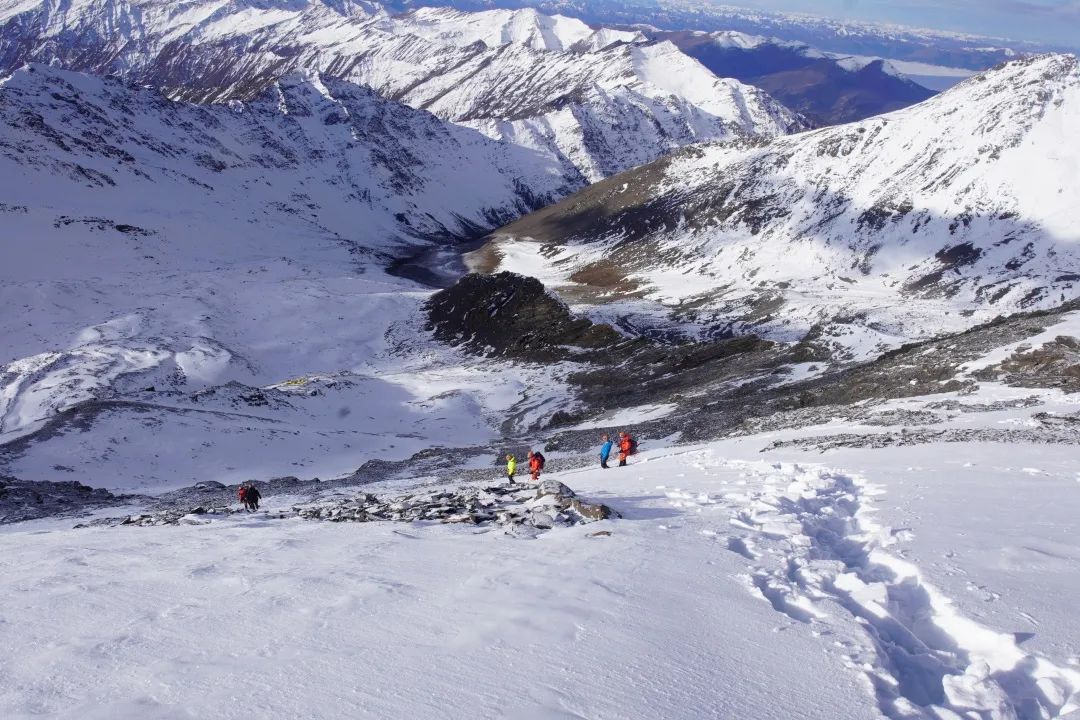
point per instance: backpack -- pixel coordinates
(242, 493)
(633, 447)
(539, 461)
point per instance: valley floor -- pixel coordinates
(927, 581)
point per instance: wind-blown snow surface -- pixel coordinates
(598, 102)
(929, 219)
(155, 251)
(910, 583)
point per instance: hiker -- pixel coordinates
(536, 465)
(605, 450)
(511, 468)
(250, 496)
(627, 447)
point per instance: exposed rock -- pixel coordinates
(27, 500)
(553, 487)
(521, 508)
(513, 316)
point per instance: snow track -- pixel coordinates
(816, 554)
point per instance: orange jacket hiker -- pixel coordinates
(626, 447)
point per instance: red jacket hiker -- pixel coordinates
(536, 464)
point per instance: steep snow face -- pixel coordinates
(601, 112)
(932, 218)
(547, 83)
(155, 244)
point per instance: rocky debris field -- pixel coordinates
(922, 436)
(749, 390)
(523, 510)
(517, 507)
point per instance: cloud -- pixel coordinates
(1064, 9)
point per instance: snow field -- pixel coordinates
(860, 584)
(289, 619)
(816, 551)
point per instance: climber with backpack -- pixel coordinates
(536, 465)
(627, 447)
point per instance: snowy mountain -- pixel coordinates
(826, 87)
(903, 226)
(599, 101)
(501, 27)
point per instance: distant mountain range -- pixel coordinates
(935, 47)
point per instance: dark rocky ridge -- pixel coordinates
(510, 315)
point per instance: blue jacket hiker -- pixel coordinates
(605, 450)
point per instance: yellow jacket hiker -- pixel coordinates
(511, 467)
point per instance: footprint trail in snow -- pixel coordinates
(816, 554)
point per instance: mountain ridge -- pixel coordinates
(912, 223)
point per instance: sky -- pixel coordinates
(1055, 22)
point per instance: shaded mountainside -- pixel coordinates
(329, 153)
(899, 227)
(825, 89)
(598, 102)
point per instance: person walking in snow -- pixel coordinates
(627, 447)
(511, 468)
(536, 465)
(250, 496)
(605, 450)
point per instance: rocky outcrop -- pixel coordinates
(521, 509)
(26, 500)
(511, 315)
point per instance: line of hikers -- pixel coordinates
(627, 447)
(250, 496)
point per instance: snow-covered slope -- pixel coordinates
(500, 27)
(154, 244)
(599, 101)
(932, 218)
